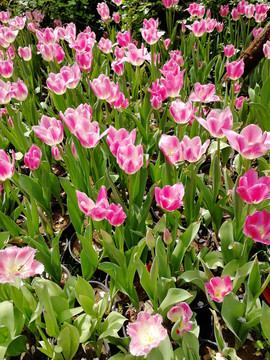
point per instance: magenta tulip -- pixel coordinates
(229, 50)
(235, 69)
(7, 168)
(115, 214)
(183, 313)
(96, 211)
(171, 148)
(193, 149)
(257, 227)
(33, 157)
(217, 288)
(169, 197)
(181, 112)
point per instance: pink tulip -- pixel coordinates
(3, 111)
(119, 52)
(71, 117)
(19, 90)
(71, 75)
(101, 87)
(114, 92)
(149, 31)
(239, 102)
(121, 102)
(167, 43)
(146, 333)
(74, 151)
(241, 7)
(50, 130)
(183, 313)
(130, 158)
(156, 102)
(7, 168)
(117, 2)
(118, 67)
(5, 92)
(173, 83)
(266, 49)
(6, 68)
(116, 18)
(56, 154)
(177, 57)
(219, 27)
(198, 28)
(33, 157)
(251, 143)
(88, 133)
(261, 9)
(210, 25)
(256, 32)
(58, 53)
(252, 189)
(57, 22)
(169, 197)
(10, 122)
(18, 262)
(96, 211)
(115, 214)
(259, 17)
(204, 93)
(216, 121)
(158, 94)
(46, 36)
(193, 149)
(11, 52)
(249, 11)
(229, 50)
(135, 56)
(235, 14)
(17, 23)
(181, 112)
(25, 53)
(196, 10)
(32, 26)
(7, 36)
(224, 10)
(235, 69)
(124, 39)
(4, 16)
(257, 227)
(84, 42)
(38, 16)
(46, 51)
(105, 45)
(84, 60)
(104, 11)
(56, 83)
(168, 3)
(217, 288)
(171, 148)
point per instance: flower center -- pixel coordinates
(15, 268)
(261, 231)
(149, 335)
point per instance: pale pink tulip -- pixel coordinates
(130, 158)
(252, 189)
(119, 137)
(25, 53)
(5, 92)
(46, 51)
(173, 83)
(56, 83)
(204, 93)
(71, 75)
(210, 25)
(169, 197)
(33, 157)
(114, 92)
(6, 68)
(216, 121)
(7, 168)
(19, 90)
(104, 11)
(171, 148)
(229, 50)
(235, 69)
(135, 56)
(183, 313)
(17, 23)
(96, 211)
(88, 133)
(115, 214)
(46, 36)
(101, 87)
(7, 36)
(146, 333)
(56, 154)
(105, 45)
(251, 143)
(177, 57)
(266, 49)
(73, 116)
(193, 149)
(198, 28)
(18, 262)
(257, 227)
(217, 288)
(196, 10)
(181, 112)
(50, 130)
(249, 11)
(117, 2)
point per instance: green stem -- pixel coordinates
(233, 95)
(180, 127)
(107, 113)
(218, 149)
(130, 197)
(191, 200)
(94, 164)
(16, 197)
(140, 79)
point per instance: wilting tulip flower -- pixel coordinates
(50, 130)
(88, 133)
(193, 149)
(5, 92)
(105, 45)
(224, 10)
(252, 189)
(198, 28)
(124, 39)
(204, 93)
(116, 18)
(235, 69)
(216, 121)
(104, 11)
(183, 313)
(229, 50)
(6, 68)
(18, 263)
(71, 75)
(239, 102)
(33, 157)
(251, 143)
(217, 288)
(118, 138)
(25, 53)
(130, 158)
(146, 333)
(115, 214)
(56, 154)
(181, 112)
(96, 211)
(7, 168)
(235, 14)
(266, 49)
(101, 87)
(257, 227)
(19, 90)
(173, 83)
(219, 27)
(4, 16)
(256, 32)
(56, 83)
(169, 197)
(118, 67)
(171, 148)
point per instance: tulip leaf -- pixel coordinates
(174, 296)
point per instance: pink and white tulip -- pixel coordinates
(96, 211)
(6, 68)
(181, 112)
(193, 149)
(130, 158)
(204, 93)
(7, 168)
(50, 130)
(216, 121)
(104, 11)
(171, 148)
(33, 157)
(235, 69)
(217, 288)
(25, 53)
(257, 227)
(229, 50)
(183, 313)
(169, 197)
(115, 214)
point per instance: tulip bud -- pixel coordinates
(167, 237)
(150, 240)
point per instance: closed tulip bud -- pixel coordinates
(167, 237)
(150, 240)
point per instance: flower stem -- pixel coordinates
(130, 197)
(94, 164)
(140, 79)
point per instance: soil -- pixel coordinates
(65, 276)
(76, 246)
(60, 221)
(58, 170)
(90, 354)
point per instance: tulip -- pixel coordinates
(124, 39)
(169, 197)
(7, 36)
(18, 263)
(117, 2)
(149, 31)
(196, 10)
(219, 27)
(116, 18)
(88, 133)
(193, 149)
(217, 288)
(71, 75)
(115, 214)
(119, 52)
(4, 16)
(135, 56)
(249, 11)
(183, 313)
(210, 25)
(33, 157)
(216, 121)
(229, 50)
(239, 102)
(56, 83)
(114, 92)
(84, 60)
(146, 333)
(6, 68)
(105, 45)
(261, 9)
(198, 28)
(251, 143)
(130, 158)
(256, 32)
(17, 23)
(257, 227)
(224, 10)
(204, 93)
(177, 57)
(235, 69)
(104, 11)
(241, 7)
(7, 168)
(58, 53)
(167, 237)
(168, 3)
(173, 83)
(118, 67)
(252, 189)
(167, 43)
(120, 102)
(266, 49)
(25, 53)
(74, 151)
(101, 87)
(96, 211)
(46, 36)
(5, 92)
(19, 90)
(181, 112)
(235, 14)
(56, 154)
(73, 116)
(50, 130)
(171, 148)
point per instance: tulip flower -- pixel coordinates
(177, 57)
(219, 27)
(117, 2)
(252, 189)
(235, 69)
(266, 49)
(256, 32)
(50, 130)
(124, 39)
(104, 11)
(149, 31)
(193, 149)
(229, 50)
(224, 10)
(19, 90)
(73, 116)
(7, 168)
(235, 14)
(204, 93)
(96, 211)
(115, 214)
(56, 83)
(183, 313)
(6, 68)
(101, 87)
(217, 288)
(119, 52)
(169, 197)
(105, 45)
(71, 75)
(173, 83)
(130, 158)
(171, 148)
(198, 28)
(181, 112)
(257, 227)
(4, 16)
(56, 154)
(239, 102)
(251, 143)
(249, 11)
(116, 18)
(5, 92)
(46, 51)
(210, 25)
(18, 263)
(84, 59)
(118, 67)
(146, 333)
(25, 53)
(88, 133)
(135, 56)
(121, 102)
(216, 121)
(33, 157)
(58, 53)
(241, 7)
(196, 10)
